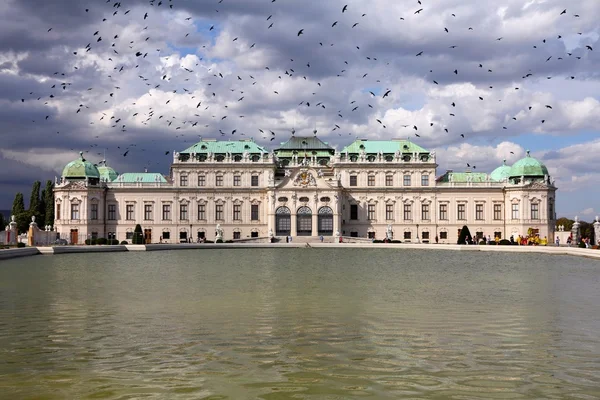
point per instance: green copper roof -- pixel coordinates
(501, 173)
(144, 177)
(80, 169)
(300, 153)
(528, 166)
(304, 142)
(384, 146)
(222, 147)
(462, 177)
(107, 173)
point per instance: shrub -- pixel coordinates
(229, 241)
(504, 242)
(137, 235)
(481, 242)
(20, 244)
(492, 243)
(88, 241)
(378, 241)
(113, 241)
(101, 241)
(124, 242)
(219, 241)
(581, 245)
(396, 241)
(464, 232)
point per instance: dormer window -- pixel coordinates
(406, 158)
(203, 147)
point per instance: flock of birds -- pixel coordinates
(209, 103)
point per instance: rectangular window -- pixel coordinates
(535, 211)
(237, 180)
(371, 235)
(460, 212)
(389, 180)
(148, 212)
(406, 180)
(112, 212)
(425, 212)
(389, 212)
(219, 180)
(479, 212)
(219, 212)
(550, 211)
(183, 212)
(353, 180)
(75, 211)
(58, 211)
(424, 180)
(254, 234)
(166, 212)
(425, 235)
(166, 235)
(254, 212)
(407, 235)
(128, 235)
(444, 235)
(497, 212)
(237, 212)
(183, 180)
(201, 180)
(515, 211)
(94, 212)
(237, 235)
(497, 235)
(354, 211)
(444, 212)
(408, 212)
(94, 235)
(371, 180)
(254, 180)
(371, 212)
(129, 212)
(201, 212)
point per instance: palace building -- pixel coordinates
(304, 188)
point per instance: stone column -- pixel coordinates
(597, 231)
(293, 223)
(12, 231)
(575, 231)
(315, 224)
(32, 231)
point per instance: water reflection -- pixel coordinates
(299, 323)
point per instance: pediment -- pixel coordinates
(304, 178)
(75, 185)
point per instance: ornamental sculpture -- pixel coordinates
(304, 179)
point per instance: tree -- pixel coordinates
(3, 222)
(49, 203)
(42, 209)
(566, 222)
(21, 216)
(464, 232)
(137, 235)
(34, 201)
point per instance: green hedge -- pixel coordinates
(504, 242)
(20, 244)
(101, 241)
(219, 241)
(124, 242)
(482, 242)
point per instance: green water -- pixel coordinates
(300, 324)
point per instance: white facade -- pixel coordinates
(308, 193)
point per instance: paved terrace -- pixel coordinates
(30, 251)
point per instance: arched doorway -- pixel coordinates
(325, 221)
(283, 222)
(304, 221)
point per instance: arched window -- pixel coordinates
(304, 211)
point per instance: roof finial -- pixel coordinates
(504, 162)
(81, 155)
(315, 132)
(527, 151)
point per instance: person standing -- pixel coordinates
(557, 241)
(436, 239)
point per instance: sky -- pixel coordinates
(480, 80)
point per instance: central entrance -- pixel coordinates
(74, 236)
(325, 221)
(304, 221)
(283, 222)
(148, 236)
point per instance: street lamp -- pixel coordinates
(417, 233)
